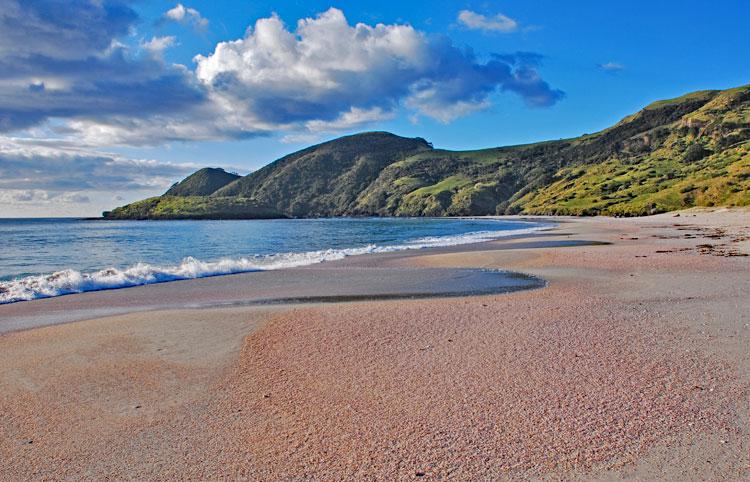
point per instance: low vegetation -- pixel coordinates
(193, 207)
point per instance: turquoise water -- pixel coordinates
(50, 257)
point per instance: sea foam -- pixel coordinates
(70, 281)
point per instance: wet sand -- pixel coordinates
(331, 282)
(631, 363)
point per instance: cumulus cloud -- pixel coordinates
(61, 59)
(328, 72)
(496, 23)
(323, 75)
(612, 67)
(316, 73)
(185, 16)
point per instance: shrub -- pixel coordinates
(695, 152)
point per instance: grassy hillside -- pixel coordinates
(690, 151)
(203, 182)
(324, 180)
(193, 207)
(703, 159)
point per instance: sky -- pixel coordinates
(104, 102)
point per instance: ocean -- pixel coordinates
(42, 258)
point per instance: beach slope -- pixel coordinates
(632, 362)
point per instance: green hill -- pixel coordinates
(690, 151)
(325, 180)
(203, 182)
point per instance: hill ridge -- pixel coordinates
(202, 182)
(693, 150)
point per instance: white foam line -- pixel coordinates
(70, 281)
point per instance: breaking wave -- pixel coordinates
(70, 281)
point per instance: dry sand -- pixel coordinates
(633, 363)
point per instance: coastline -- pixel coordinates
(333, 281)
(349, 278)
(67, 279)
(593, 376)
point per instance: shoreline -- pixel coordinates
(333, 283)
(38, 287)
(631, 363)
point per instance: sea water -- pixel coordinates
(41, 258)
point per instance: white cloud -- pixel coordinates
(443, 113)
(75, 198)
(496, 23)
(14, 196)
(51, 166)
(612, 67)
(71, 65)
(39, 196)
(300, 138)
(353, 118)
(157, 45)
(318, 72)
(320, 76)
(197, 123)
(328, 73)
(43, 176)
(186, 15)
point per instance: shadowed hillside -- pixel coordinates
(690, 151)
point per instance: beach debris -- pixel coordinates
(719, 250)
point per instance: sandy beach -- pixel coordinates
(630, 361)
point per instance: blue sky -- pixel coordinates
(106, 102)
